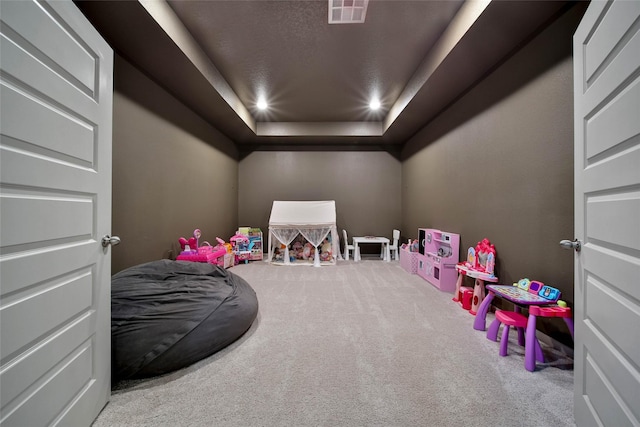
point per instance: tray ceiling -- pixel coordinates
(219, 57)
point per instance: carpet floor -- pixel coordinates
(355, 344)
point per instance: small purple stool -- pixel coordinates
(518, 321)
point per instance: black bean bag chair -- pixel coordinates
(166, 315)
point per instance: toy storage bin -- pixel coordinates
(409, 260)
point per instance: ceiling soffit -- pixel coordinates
(151, 35)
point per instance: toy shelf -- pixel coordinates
(255, 253)
(255, 237)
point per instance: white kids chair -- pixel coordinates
(347, 246)
(394, 245)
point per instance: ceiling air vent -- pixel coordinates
(347, 11)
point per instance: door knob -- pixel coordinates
(110, 240)
(571, 244)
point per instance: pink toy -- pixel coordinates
(240, 245)
(485, 259)
(191, 244)
(438, 254)
(205, 253)
(480, 265)
(409, 258)
(223, 245)
(325, 251)
(482, 258)
(239, 239)
(308, 251)
(465, 297)
(227, 259)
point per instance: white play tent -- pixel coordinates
(314, 220)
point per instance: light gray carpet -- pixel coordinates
(356, 344)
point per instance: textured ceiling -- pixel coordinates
(218, 56)
(309, 70)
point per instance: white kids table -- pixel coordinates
(371, 239)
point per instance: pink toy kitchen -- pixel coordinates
(437, 258)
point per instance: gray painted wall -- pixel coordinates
(172, 172)
(499, 163)
(365, 185)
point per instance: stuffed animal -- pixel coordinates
(307, 251)
(325, 251)
(296, 250)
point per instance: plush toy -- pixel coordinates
(325, 251)
(307, 251)
(296, 250)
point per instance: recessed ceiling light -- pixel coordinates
(374, 104)
(262, 104)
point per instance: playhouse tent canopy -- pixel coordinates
(315, 220)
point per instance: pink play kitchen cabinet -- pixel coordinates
(437, 258)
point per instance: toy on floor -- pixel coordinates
(308, 251)
(190, 246)
(191, 251)
(480, 265)
(223, 245)
(227, 260)
(241, 248)
(325, 251)
(280, 252)
(464, 296)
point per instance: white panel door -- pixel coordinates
(55, 205)
(607, 209)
